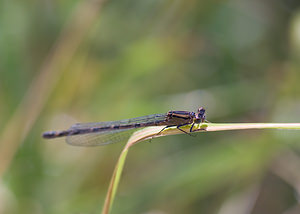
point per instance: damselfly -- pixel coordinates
(102, 133)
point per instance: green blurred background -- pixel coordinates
(63, 62)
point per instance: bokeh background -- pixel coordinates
(63, 62)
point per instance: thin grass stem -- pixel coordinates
(155, 131)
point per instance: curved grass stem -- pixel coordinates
(155, 131)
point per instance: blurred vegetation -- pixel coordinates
(67, 61)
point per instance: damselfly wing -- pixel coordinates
(103, 133)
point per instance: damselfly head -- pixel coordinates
(200, 116)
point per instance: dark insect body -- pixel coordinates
(93, 134)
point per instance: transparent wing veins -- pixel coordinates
(108, 136)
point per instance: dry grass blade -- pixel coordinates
(152, 132)
(43, 84)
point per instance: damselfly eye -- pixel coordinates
(201, 114)
(201, 110)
